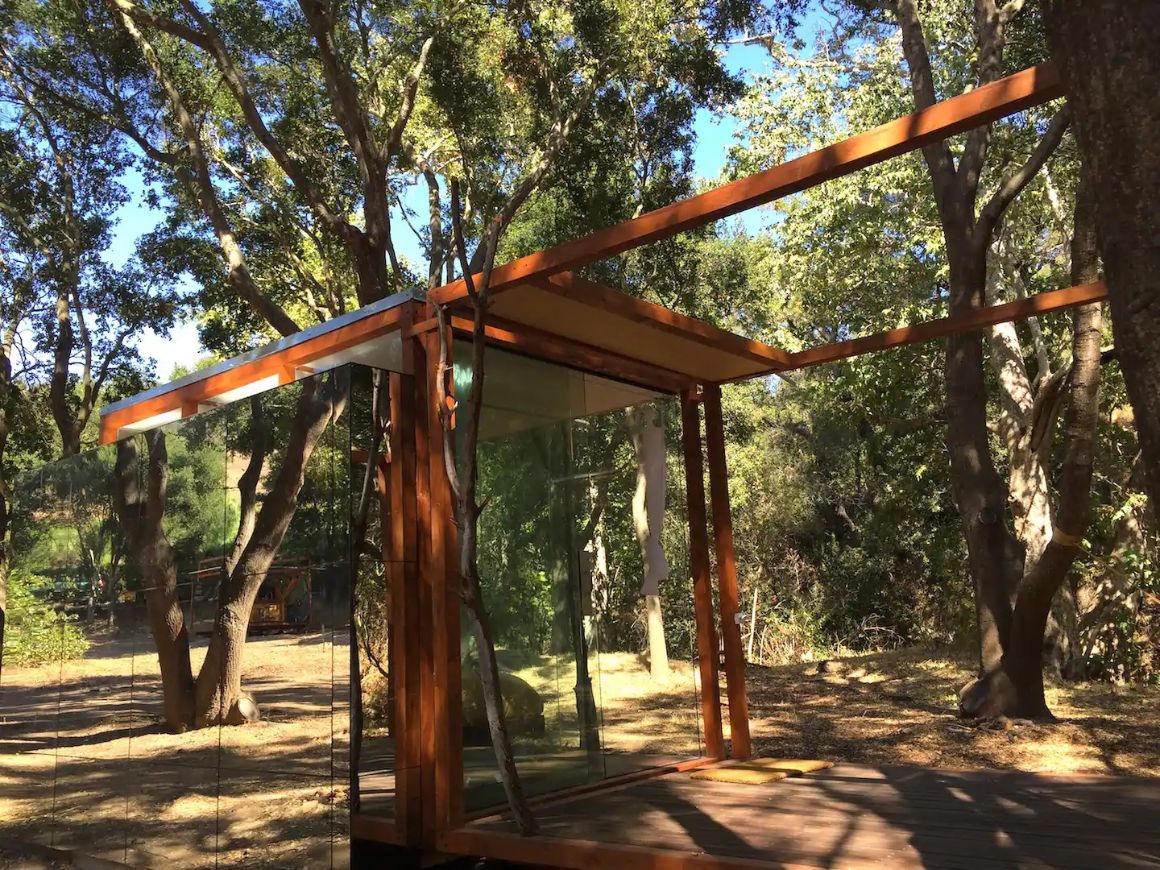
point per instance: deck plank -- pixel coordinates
(859, 816)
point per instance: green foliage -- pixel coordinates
(35, 633)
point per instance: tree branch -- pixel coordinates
(201, 185)
(410, 92)
(1013, 185)
(914, 49)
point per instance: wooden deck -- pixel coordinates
(856, 816)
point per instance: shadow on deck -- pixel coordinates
(858, 816)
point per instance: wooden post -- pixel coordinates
(400, 539)
(702, 577)
(429, 567)
(726, 574)
(442, 579)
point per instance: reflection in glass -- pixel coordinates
(576, 501)
(129, 565)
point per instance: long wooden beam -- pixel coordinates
(985, 104)
(979, 318)
(544, 345)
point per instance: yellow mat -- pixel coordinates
(741, 774)
(758, 771)
(793, 766)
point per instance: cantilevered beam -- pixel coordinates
(1020, 309)
(544, 345)
(985, 104)
(590, 293)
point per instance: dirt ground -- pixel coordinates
(897, 707)
(84, 761)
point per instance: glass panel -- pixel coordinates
(530, 587)
(633, 550)
(96, 689)
(37, 632)
(290, 580)
(171, 811)
(562, 543)
(378, 575)
(115, 645)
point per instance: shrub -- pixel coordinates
(35, 633)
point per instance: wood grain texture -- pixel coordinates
(702, 577)
(727, 592)
(1030, 87)
(851, 816)
(980, 318)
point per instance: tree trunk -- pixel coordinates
(1106, 52)
(219, 696)
(995, 557)
(568, 627)
(141, 515)
(1015, 686)
(648, 516)
(462, 468)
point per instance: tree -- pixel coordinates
(1106, 55)
(648, 514)
(68, 319)
(58, 204)
(999, 560)
(857, 255)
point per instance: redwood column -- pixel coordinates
(726, 574)
(702, 576)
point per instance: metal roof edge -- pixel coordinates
(265, 350)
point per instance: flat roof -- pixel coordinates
(564, 319)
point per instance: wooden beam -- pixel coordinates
(702, 577)
(280, 365)
(375, 829)
(430, 572)
(985, 104)
(590, 293)
(544, 345)
(726, 575)
(980, 318)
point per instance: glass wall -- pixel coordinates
(198, 573)
(584, 558)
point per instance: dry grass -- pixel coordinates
(898, 707)
(636, 715)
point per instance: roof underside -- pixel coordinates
(644, 340)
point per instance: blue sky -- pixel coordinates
(715, 135)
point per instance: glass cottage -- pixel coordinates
(270, 541)
(356, 670)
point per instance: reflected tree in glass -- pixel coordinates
(141, 496)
